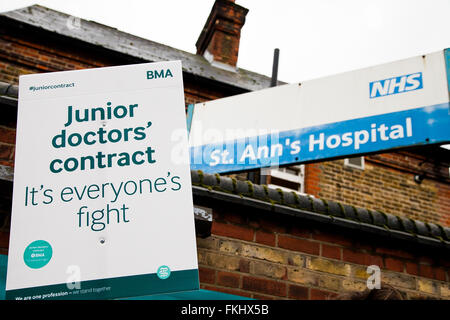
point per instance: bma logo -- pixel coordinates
(409, 82)
(155, 74)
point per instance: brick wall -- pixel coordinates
(23, 56)
(196, 93)
(253, 255)
(386, 184)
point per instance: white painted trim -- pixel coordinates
(210, 58)
(351, 165)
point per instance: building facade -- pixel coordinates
(312, 230)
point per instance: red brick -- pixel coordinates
(374, 260)
(262, 297)
(412, 268)
(232, 231)
(7, 135)
(5, 152)
(439, 274)
(425, 260)
(332, 252)
(233, 217)
(301, 245)
(272, 226)
(226, 290)
(317, 294)
(4, 240)
(300, 232)
(443, 262)
(265, 238)
(207, 275)
(396, 253)
(361, 258)
(244, 266)
(426, 271)
(228, 279)
(298, 292)
(355, 257)
(333, 239)
(8, 163)
(362, 247)
(393, 264)
(264, 286)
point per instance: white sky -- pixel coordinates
(315, 38)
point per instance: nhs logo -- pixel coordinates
(409, 82)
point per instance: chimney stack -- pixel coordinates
(219, 40)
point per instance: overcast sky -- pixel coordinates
(315, 38)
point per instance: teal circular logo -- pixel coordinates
(37, 254)
(163, 272)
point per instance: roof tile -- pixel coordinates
(289, 199)
(363, 215)
(304, 202)
(350, 212)
(226, 184)
(408, 225)
(195, 177)
(446, 232)
(393, 222)
(242, 188)
(435, 230)
(259, 192)
(210, 180)
(421, 228)
(335, 209)
(379, 218)
(275, 195)
(318, 205)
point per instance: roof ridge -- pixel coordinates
(98, 34)
(333, 209)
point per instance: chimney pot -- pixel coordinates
(219, 40)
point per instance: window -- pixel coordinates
(357, 163)
(288, 178)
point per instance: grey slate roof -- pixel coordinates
(119, 41)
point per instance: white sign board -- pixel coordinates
(399, 104)
(100, 207)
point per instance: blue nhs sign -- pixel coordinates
(405, 83)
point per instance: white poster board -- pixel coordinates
(101, 209)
